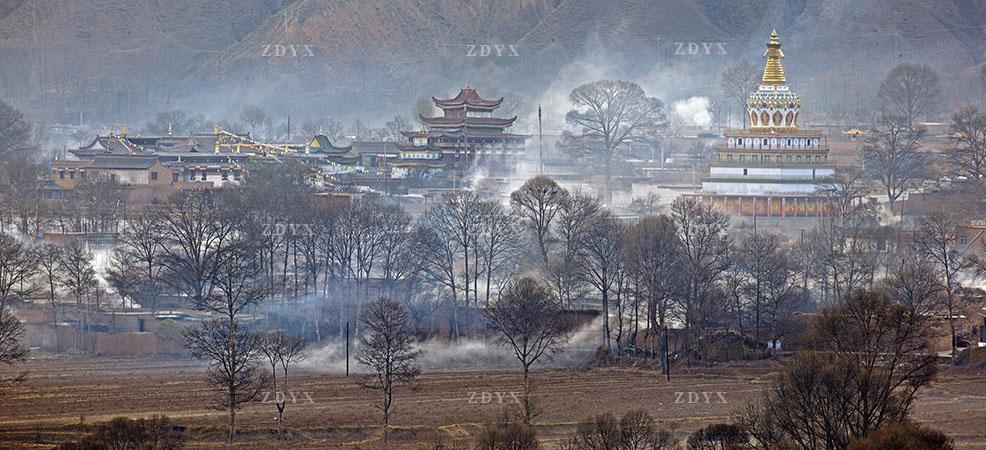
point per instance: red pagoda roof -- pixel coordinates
(474, 121)
(467, 96)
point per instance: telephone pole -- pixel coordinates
(540, 144)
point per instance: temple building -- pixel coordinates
(773, 168)
(465, 136)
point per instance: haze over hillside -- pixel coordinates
(114, 61)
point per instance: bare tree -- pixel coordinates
(439, 252)
(968, 134)
(22, 183)
(912, 281)
(704, 247)
(98, 203)
(79, 277)
(423, 107)
(910, 91)
(571, 225)
(537, 203)
(611, 114)
(652, 254)
(873, 356)
(738, 82)
(12, 347)
(387, 350)
(394, 127)
(893, 153)
(15, 132)
(500, 243)
(49, 259)
(846, 194)
(232, 355)
(528, 319)
(935, 240)
(603, 242)
(253, 116)
(770, 282)
(123, 277)
(371, 238)
(461, 213)
(400, 260)
(281, 350)
(17, 267)
(141, 242)
(176, 122)
(197, 233)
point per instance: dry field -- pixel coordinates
(64, 394)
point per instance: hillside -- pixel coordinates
(113, 59)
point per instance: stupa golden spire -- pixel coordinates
(773, 72)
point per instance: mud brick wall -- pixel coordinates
(120, 344)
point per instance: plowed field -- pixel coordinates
(64, 395)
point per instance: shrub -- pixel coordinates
(506, 434)
(903, 436)
(718, 436)
(732, 346)
(156, 433)
(634, 431)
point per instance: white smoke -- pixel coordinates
(693, 111)
(465, 354)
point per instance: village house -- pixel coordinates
(125, 170)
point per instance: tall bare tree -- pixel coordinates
(141, 242)
(281, 350)
(571, 225)
(651, 251)
(910, 91)
(603, 243)
(612, 114)
(232, 353)
(394, 127)
(79, 275)
(439, 252)
(18, 266)
(770, 282)
(253, 116)
(197, 234)
(387, 350)
(935, 240)
(500, 243)
(98, 203)
(49, 258)
(704, 247)
(968, 136)
(461, 212)
(537, 203)
(738, 82)
(15, 131)
(893, 154)
(528, 319)
(22, 194)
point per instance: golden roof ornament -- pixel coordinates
(773, 72)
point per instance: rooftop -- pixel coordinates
(467, 96)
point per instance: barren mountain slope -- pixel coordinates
(206, 55)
